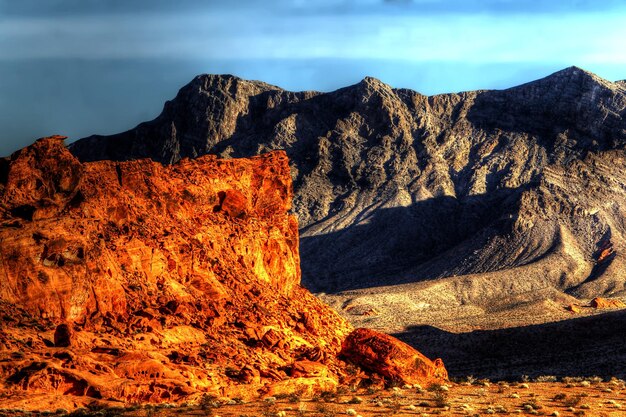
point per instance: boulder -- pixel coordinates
(391, 358)
(602, 303)
(63, 335)
(573, 308)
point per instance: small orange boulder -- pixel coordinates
(602, 303)
(573, 308)
(391, 358)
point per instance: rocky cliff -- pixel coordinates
(137, 282)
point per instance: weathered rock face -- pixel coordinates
(140, 282)
(392, 358)
(395, 187)
(63, 215)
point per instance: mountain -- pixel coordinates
(134, 282)
(521, 188)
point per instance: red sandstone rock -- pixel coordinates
(602, 303)
(391, 358)
(176, 280)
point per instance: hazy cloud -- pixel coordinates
(572, 38)
(99, 7)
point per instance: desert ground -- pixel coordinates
(542, 396)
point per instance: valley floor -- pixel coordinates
(497, 341)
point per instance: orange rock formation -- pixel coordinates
(138, 282)
(391, 358)
(602, 303)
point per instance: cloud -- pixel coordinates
(508, 6)
(580, 38)
(101, 7)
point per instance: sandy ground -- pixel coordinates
(575, 397)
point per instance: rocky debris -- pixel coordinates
(391, 358)
(395, 187)
(307, 368)
(135, 282)
(602, 303)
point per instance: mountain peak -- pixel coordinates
(574, 70)
(226, 82)
(577, 75)
(373, 83)
(368, 86)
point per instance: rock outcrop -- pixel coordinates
(137, 282)
(396, 187)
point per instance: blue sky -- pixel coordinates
(78, 67)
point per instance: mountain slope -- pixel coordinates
(395, 187)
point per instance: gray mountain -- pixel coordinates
(478, 196)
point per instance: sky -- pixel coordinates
(82, 67)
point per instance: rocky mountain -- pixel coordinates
(502, 193)
(134, 282)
